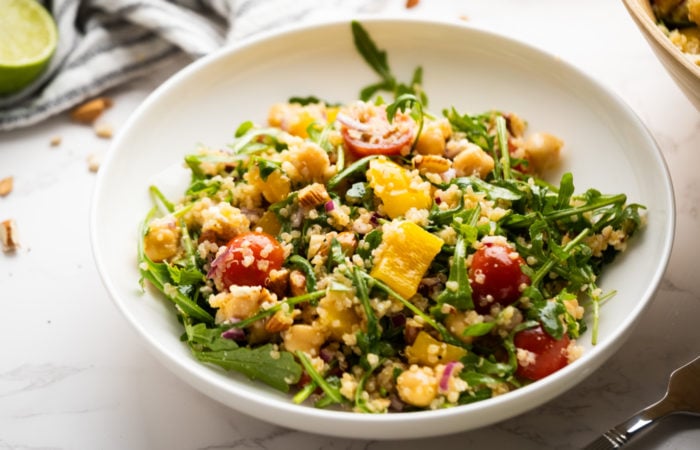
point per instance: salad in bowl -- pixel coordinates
(377, 256)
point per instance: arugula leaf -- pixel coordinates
(185, 275)
(358, 166)
(201, 338)
(243, 128)
(370, 242)
(267, 167)
(159, 276)
(566, 190)
(335, 255)
(479, 329)
(502, 163)
(360, 401)
(444, 333)
(458, 292)
(332, 392)
(251, 140)
(362, 292)
(474, 127)
(169, 206)
(373, 56)
(267, 364)
(378, 61)
(407, 101)
(311, 100)
(305, 266)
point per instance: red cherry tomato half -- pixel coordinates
(549, 354)
(495, 276)
(367, 131)
(248, 260)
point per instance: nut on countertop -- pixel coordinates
(8, 236)
(89, 111)
(6, 186)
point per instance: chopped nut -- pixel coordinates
(297, 283)
(8, 236)
(104, 130)
(55, 141)
(278, 281)
(94, 162)
(89, 111)
(432, 163)
(313, 195)
(6, 186)
(280, 321)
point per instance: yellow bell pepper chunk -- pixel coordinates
(397, 188)
(337, 315)
(275, 188)
(269, 223)
(428, 351)
(404, 256)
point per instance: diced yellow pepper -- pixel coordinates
(269, 223)
(404, 256)
(428, 351)
(275, 188)
(337, 315)
(398, 190)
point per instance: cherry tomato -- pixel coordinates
(549, 353)
(367, 131)
(248, 260)
(495, 276)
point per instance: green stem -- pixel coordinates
(363, 295)
(278, 306)
(331, 392)
(305, 266)
(360, 164)
(446, 336)
(611, 200)
(547, 266)
(501, 133)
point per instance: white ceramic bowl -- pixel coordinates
(607, 147)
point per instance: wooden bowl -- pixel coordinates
(682, 69)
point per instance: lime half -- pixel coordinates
(28, 38)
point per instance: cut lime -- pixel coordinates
(28, 38)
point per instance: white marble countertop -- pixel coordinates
(73, 374)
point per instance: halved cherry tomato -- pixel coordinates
(549, 353)
(495, 276)
(248, 260)
(367, 131)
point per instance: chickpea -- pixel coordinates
(432, 139)
(417, 386)
(542, 150)
(459, 321)
(473, 161)
(307, 338)
(162, 240)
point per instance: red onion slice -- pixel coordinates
(349, 122)
(447, 373)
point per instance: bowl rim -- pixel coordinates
(189, 370)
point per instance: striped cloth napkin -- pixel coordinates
(104, 43)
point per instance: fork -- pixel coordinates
(682, 397)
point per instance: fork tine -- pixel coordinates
(602, 443)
